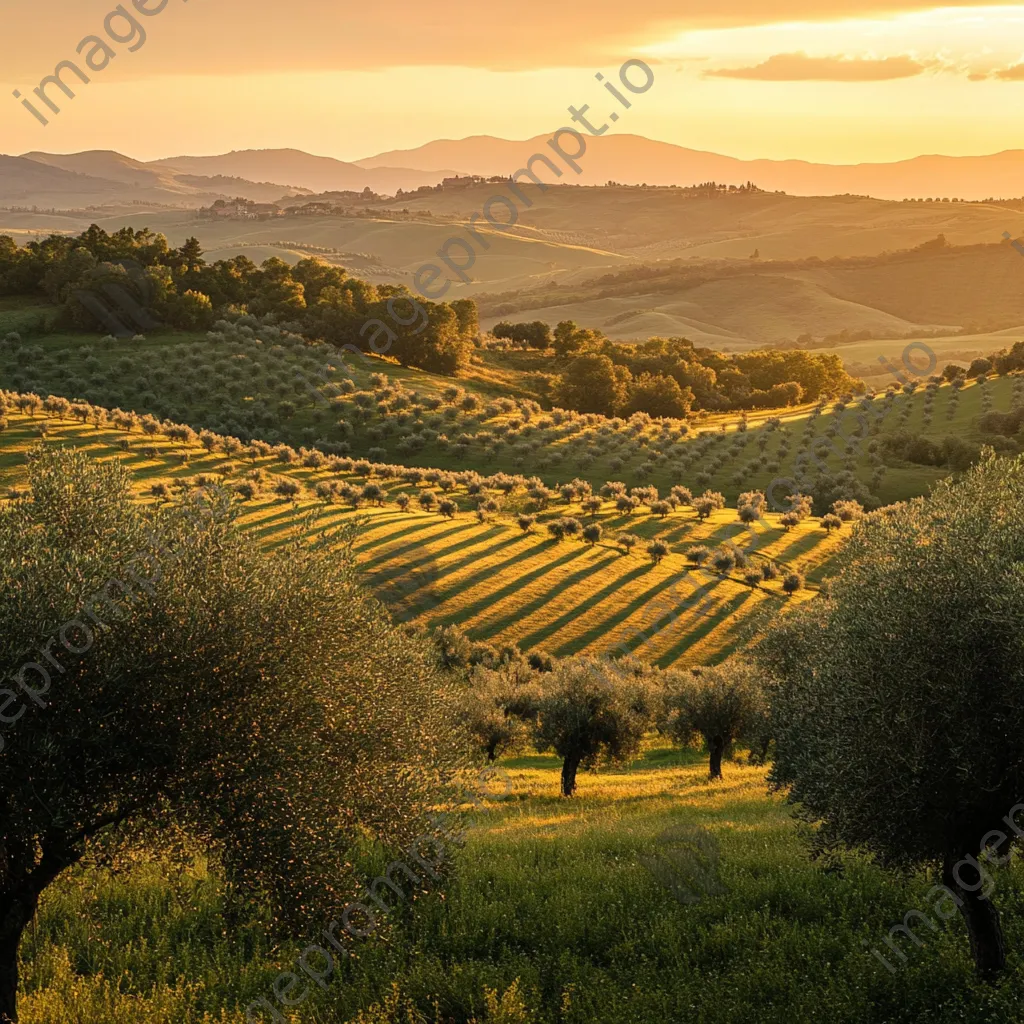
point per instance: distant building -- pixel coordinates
(241, 209)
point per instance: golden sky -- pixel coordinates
(837, 81)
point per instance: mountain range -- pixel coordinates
(106, 178)
(632, 159)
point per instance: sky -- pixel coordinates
(834, 81)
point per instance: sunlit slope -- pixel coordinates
(492, 579)
(401, 245)
(265, 391)
(976, 287)
(668, 223)
(735, 312)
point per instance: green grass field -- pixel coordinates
(554, 906)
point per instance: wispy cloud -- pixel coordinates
(799, 67)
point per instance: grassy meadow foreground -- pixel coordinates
(554, 915)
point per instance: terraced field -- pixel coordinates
(497, 582)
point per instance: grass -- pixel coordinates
(497, 583)
(561, 908)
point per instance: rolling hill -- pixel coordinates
(760, 302)
(499, 583)
(245, 389)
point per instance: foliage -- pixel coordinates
(721, 704)
(591, 710)
(265, 744)
(900, 713)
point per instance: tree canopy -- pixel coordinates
(168, 677)
(899, 715)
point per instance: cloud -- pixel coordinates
(1015, 73)
(231, 37)
(798, 67)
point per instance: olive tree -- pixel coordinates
(591, 710)
(899, 718)
(499, 705)
(721, 704)
(168, 677)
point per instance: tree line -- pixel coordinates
(83, 274)
(671, 376)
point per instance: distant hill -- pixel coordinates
(627, 159)
(110, 179)
(632, 159)
(317, 173)
(736, 305)
(108, 165)
(24, 181)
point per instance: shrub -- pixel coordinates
(698, 554)
(627, 541)
(375, 494)
(657, 549)
(723, 561)
(831, 522)
(792, 582)
(499, 706)
(288, 489)
(704, 507)
(571, 527)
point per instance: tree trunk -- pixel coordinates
(716, 748)
(18, 902)
(15, 914)
(569, 768)
(9, 982)
(988, 946)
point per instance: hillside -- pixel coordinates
(391, 247)
(662, 223)
(554, 258)
(759, 302)
(498, 583)
(300, 394)
(108, 179)
(318, 173)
